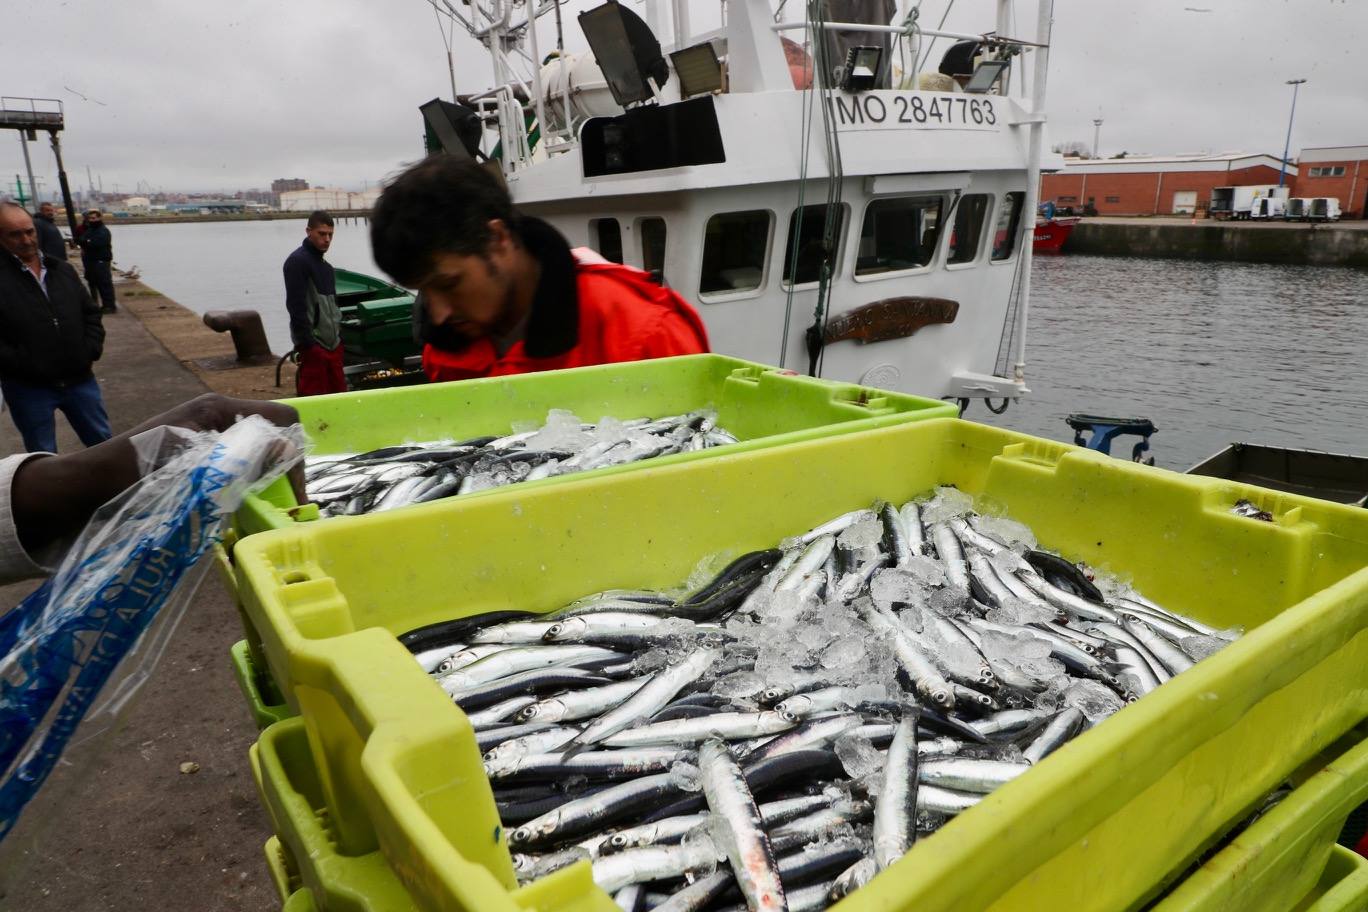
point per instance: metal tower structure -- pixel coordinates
(28, 116)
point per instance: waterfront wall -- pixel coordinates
(1318, 245)
(273, 215)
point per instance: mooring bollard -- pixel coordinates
(249, 336)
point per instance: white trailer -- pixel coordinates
(1298, 208)
(1324, 209)
(1236, 202)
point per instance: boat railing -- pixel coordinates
(501, 107)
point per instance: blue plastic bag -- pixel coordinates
(61, 645)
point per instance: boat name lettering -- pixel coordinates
(914, 110)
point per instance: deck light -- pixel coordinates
(626, 51)
(861, 68)
(986, 75)
(698, 69)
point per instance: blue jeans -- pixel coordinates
(33, 406)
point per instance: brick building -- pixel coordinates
(1158, 185)
(1337, 171)
(288, 184)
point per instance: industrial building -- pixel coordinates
(288, 184)
(324, 198)
(1182, 184)
(1340, 172)
(1157, 185)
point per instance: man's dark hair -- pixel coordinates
(320, 217)
(443, 204)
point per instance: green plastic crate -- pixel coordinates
(1343, 886)
(762, 406)
(263, 700)
(291, 792)
(299, 901)
(1103, 824)
(1279, 859)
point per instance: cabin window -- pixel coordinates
(899, 233)
(607, 238)
(653, 246)
(735, 249)
(970, 215)
(808, 225)
(1008, 221)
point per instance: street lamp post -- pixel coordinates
(1282, 171)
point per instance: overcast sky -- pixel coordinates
(196, 96)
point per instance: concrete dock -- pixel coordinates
(123, 827)
(1306, 243)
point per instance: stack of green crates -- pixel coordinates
(762, 406)
(1288, 859)
(377, 789)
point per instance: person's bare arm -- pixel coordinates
(54, 496)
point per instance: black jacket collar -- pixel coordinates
(553, 325)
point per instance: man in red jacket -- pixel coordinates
(503, 293)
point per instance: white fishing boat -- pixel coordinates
(872, 223)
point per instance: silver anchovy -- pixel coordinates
(574, 705)
(808, 563)
(511, 661)
(968, 774)
(729, 726)
(895, 812)
(740, 829)
(951, 556)
(594, 764)
(1061, 729)
(649, 699)
(513, 633)
(613, 872)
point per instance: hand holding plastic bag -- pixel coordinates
(62, 643)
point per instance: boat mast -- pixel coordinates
(1045, 15)
(537, 102)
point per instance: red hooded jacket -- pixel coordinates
(587, 310)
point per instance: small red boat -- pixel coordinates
(1050, 234)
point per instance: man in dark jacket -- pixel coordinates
(315, 321)
(97, 255)
(50, 334)
(49, 235)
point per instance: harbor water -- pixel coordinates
(1212, 353)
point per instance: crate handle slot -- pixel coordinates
(1253, 505)
(1035, 452)
(747, 374)
(873, 401)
